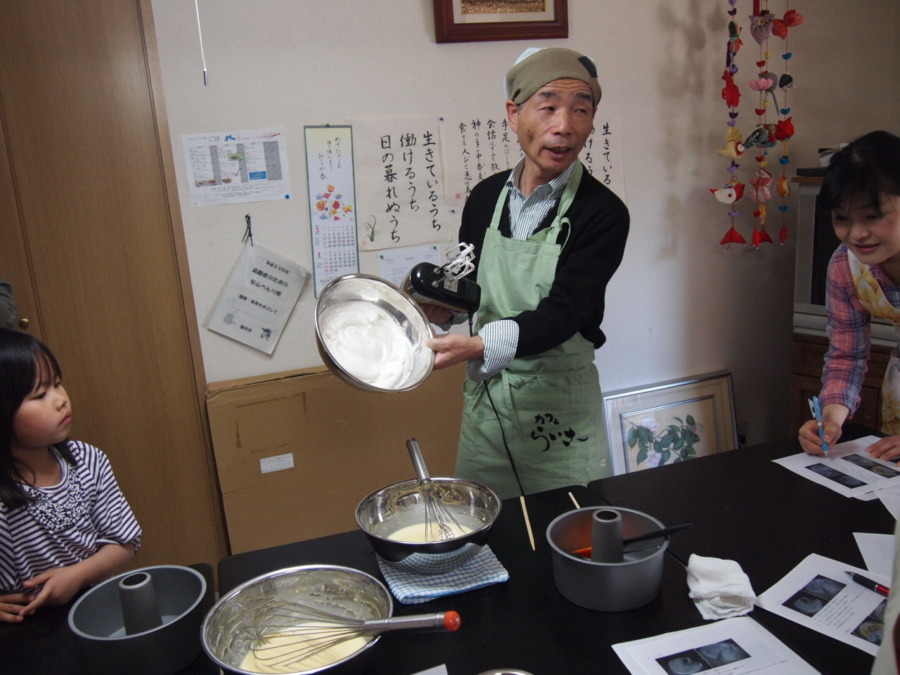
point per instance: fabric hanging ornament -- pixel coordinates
(763, 136)
(784, 128)
(733, 190)
(774, 124)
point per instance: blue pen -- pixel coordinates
(817, 413)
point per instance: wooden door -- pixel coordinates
(92, 241)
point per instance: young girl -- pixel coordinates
(64, 524)
(861, 189)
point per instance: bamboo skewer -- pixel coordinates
(527, 521)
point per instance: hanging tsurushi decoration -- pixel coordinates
(773, 123)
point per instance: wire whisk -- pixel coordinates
(440, 524)
(286, 634)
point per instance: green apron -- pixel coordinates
(546, 408)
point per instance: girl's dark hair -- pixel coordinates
(866, 167)
(23, 361)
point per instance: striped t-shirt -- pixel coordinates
(65, 523)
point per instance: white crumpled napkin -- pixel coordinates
(720, 588)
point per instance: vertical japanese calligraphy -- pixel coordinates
(479, 146)
(415, 174)
(332, 213)
(405, 206)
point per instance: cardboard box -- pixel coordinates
(296, 452)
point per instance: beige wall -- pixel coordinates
(681, 304)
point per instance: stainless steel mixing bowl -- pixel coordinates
(228, 629)
(399, 505)
(398, 305)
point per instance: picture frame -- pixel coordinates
(453, 23)
(671, 421)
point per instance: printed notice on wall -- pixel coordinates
(332, 195)
(258, 298)
(236, 166)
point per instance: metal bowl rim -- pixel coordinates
(415, 481)
(568, 555)
(268, 576)
(332, 363)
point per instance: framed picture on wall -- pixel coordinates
(670, 422)
(479, 20)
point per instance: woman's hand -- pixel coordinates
(833, 416)
(887, 448)
(809, 436)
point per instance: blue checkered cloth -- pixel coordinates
(482, 569)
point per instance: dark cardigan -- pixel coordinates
(591, 255)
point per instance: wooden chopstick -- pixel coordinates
(527, 521)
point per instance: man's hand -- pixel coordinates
(452, 348)
(436, 314)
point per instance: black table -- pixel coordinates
(524, 623)
(743, 506)
(767, 518)
(44, 644)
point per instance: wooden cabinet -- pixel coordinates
(95, 251)
(806, 373)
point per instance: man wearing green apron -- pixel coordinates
(548, 237)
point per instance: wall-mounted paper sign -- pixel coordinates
(332, 202)
(258, 298)
(232, 167)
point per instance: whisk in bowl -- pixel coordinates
(440, 524)
(291, 634)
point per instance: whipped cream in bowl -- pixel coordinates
(372, 334)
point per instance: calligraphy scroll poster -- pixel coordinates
(236, 166)
(332, 209)
(479, 146)
(256, 301)
(401, 201)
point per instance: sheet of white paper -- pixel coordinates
(394, 264)
(437, 670)
(877, 551)
(847, 469)
(732, 646)
(891, 501)
(401, 188)
(258, 297)
(818, 594)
